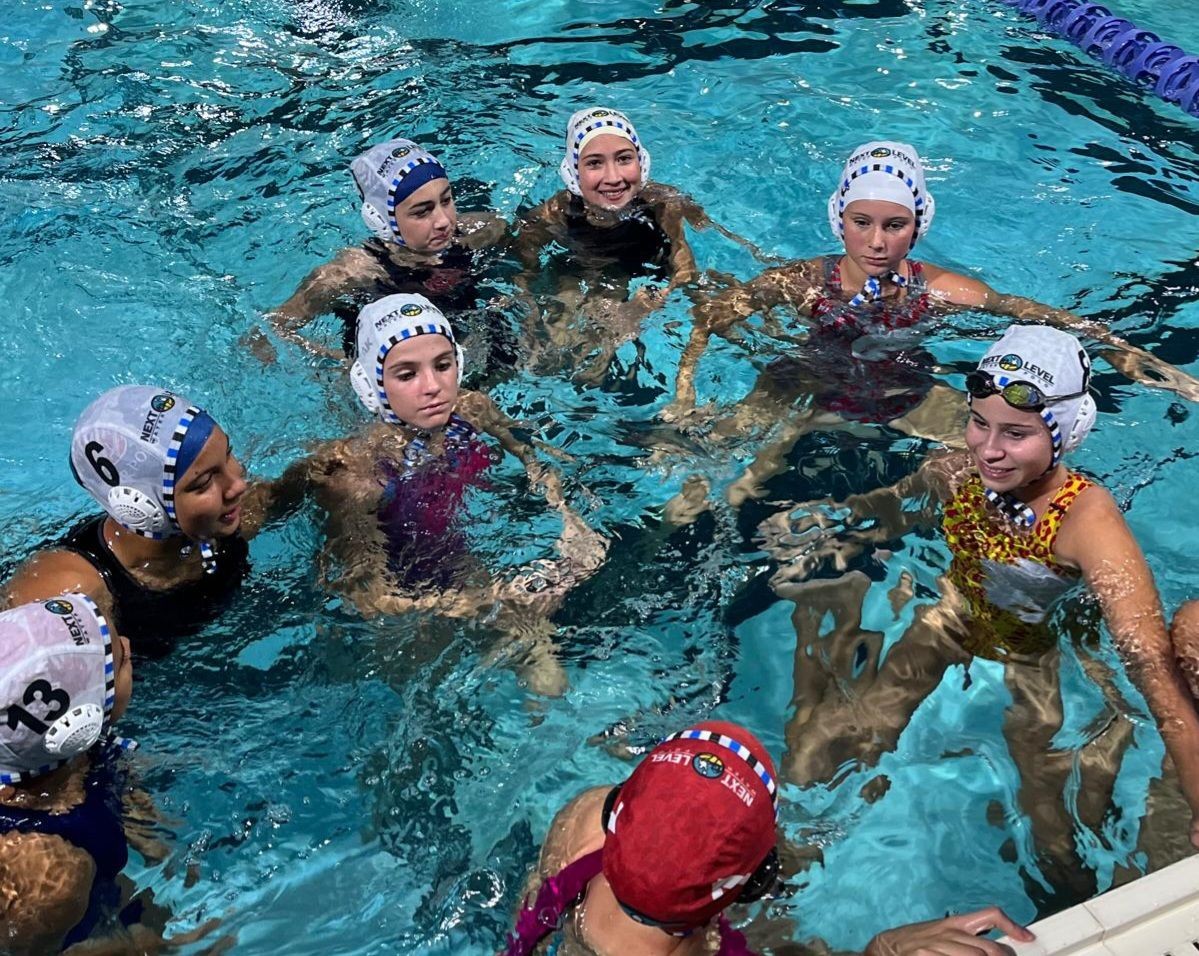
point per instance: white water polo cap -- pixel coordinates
(388, 174)
(1055, 362)
(384, 324)
(57, 684)
(130, 447)
(887, 171)
(586, 125)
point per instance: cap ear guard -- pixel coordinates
(609, 803)
(74, 732)
(364, 388)
(137, 511)
(130, 507)
(834, 215)
(926, 216)
(763, 880)
(1084, 421)
(378, 225)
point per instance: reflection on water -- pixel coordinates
(380, 786)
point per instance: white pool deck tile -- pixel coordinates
(1157, 915)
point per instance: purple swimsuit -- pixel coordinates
(561, 893)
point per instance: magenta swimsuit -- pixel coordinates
(420, 502)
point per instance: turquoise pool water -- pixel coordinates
(171, 170)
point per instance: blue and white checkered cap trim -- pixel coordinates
(169, 467)
(882, 168)
(395, 184)
(740, 750)
(599, 124)
(424, 328)
(589, 126)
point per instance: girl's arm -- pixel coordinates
(787, 285)
(534, 231)
(482, 229)
(812, 533)
(670, 210)
(697, 218)
(581, 549)
(1134, 362)
(47, 882)
(267, 501)
(480, 409)
(1096, 539)
(353, 268)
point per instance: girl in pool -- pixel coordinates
(864, 309)
(394, 493)
(615, 226)
(64, 678)
(420, 245)
(170, 550)
(611, 876)
(1022, 530)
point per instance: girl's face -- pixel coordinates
(609, 172)
(1010, 447)
(428, 218)
(122, 665)
(420, 378)
(878, 234)
(208, 496)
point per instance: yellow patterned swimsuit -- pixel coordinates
(1008, 576)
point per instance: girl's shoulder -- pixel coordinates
(653, 192)
(552, 210)
(482, 229)
(1089, 501)
(475, 407)
(955, 288)
(60, 570)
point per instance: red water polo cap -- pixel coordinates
(692, 824)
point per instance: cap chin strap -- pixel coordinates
(872, 290)
(457, 431)
(1011, 507)
(207, 554)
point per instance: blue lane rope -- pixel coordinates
(1140, 55)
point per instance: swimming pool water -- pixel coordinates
(171, 170)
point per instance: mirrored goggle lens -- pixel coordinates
(1023, 395)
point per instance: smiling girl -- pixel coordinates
(611, 226)
(170, 550)
(1023, 530)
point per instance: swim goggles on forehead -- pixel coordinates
(1024, 396)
